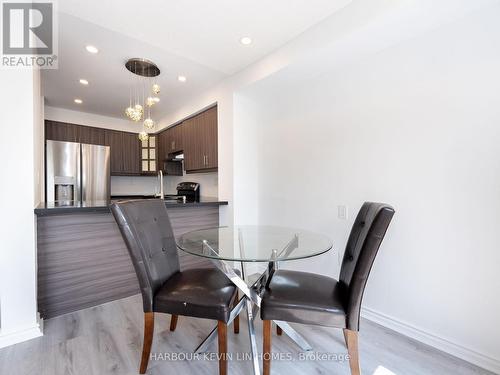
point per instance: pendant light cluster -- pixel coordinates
(144, 93)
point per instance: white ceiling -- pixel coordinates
(198, 39)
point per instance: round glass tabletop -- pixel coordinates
(256, 243)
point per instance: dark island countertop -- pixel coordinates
(51, 208)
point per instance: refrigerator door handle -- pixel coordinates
(84, 171)
(78, 192)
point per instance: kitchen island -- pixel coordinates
(83, 261)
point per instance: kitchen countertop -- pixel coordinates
(44, 209)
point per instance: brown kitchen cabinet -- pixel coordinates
(176, 138)
(164, 145)
(91, 135)
(65, 132)
(114, 141)
(192, 147)
(211, 147)
(131, 154)
(172, 140)
(124, 152)
(161, 148)
(61, 131)
(200, 142)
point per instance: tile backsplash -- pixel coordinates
(124, 185)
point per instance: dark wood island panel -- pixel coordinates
(83, 261)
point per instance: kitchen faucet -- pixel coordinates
(160, 180)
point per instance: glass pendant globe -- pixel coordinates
(156, 88)
(136, 115)
(149, 123)
(129, 112)
(143, 136)
(150, 101)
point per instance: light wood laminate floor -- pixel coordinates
(107, 339)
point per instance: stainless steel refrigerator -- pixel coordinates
(76, 172)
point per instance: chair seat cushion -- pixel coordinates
(201, 293)
(306, 298)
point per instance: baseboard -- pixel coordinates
(16, 337)
(427, 338)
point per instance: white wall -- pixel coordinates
(416, 126)
(246, 156)
(358, 30)
(39, 140)
(18, 313)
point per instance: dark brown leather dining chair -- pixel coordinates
(201, 293)
(308, 298)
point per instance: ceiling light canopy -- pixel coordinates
(84, 82)
(91, 49)
(246, 40)
(78, 101)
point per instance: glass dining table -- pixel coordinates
(245, 246)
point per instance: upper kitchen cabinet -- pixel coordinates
(61, 131)
(131, 154)
(148, 155)
(114, 141)
(90, 135)
(164, 146)
(125, 152)
(176, 138)
(161, 146)
(200, 142)
(170, 141)
(211, 138)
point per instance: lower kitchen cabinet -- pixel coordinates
(83, 261)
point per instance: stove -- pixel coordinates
(186, 192)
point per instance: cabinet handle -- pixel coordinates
(206, 157)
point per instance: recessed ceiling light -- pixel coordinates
(84, 82)
(181, 78)
(78, 101)
(246, 40)
(91, 49)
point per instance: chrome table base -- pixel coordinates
(251, 299)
